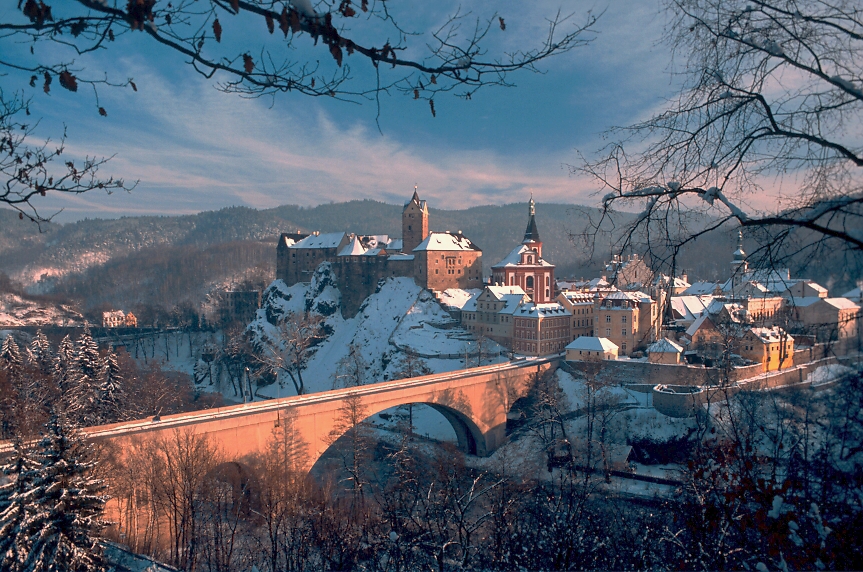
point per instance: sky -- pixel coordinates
(193, 148)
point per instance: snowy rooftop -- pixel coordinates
(549, 310)
(804, 301)
(593, 344)
(457, 297)
(664, 346)
(700, 289)
(578, 297)
(446, 241)
(771, 335)
(630, 296)
(514, 258)
(329, 240)
(841, 303)
(689, 307)
(353, 248)
(854, 294)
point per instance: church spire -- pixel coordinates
(416, 197)
(531, 234)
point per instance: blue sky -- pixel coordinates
(194, 148)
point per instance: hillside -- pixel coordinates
(167, 261)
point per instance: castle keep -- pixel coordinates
(435, 260)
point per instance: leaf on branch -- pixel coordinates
(283, 21)
(235, 6)
(32, 81)
(336, 52)
(102, 112)
(346, 10)
(38, 12)
(134, 87)
(217, 30)
(77, 27)
(416, 94)
(294, 17)
(271, 25)
(431, 105)
(138, 12)
(313, 83)
(68, 81)
(248, 63)
(365, 5)
(47, 86)
(502, 24)
(433, 79)
(20, 216)
(111, 34)
(168, 19)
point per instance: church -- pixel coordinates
(435, 260)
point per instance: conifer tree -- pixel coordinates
(85, 392)
(40, 355)
(63, 505)
(112, 396)
(10, 357)
(65, 369)
(19, 472)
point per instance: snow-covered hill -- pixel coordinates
(400, 317)
(16, 310)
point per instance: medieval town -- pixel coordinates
(511, 287)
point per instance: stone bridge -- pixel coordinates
(475, 401)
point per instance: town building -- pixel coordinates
(525, 266)
(590, 348)
(490, 313)
(664, 351)
(113, 319)
(771, 347)
(581, 306)
(540, 329)
(629, 319)
(239, 306)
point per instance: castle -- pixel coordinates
(435, 260)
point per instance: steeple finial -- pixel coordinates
(531, 206)
(531, 234)
(416, 197)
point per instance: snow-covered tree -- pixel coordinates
(10, 357)
(18, 470)
(111, 396)
(40, 355)
(64, 369)
(85, 388)
(63, 504)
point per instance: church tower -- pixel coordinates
(415, 223)
(531, 233)
(738, 263)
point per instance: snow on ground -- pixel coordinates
(18, 311)
(399, 317)
(827, 373)
(650, 425)
(456, 297)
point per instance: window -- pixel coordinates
(623, 346)
(608, 318)
(529, 282)
(623, 332)
(607, 332)
(623, 319)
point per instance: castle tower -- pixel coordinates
(415, 223)
(531, 233)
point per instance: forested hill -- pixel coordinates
(168, 260)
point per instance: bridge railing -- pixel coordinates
(182, 419)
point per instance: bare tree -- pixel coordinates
(351, 371)
(764, 133)
(291, 352)
(31, 170)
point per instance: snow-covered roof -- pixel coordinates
(689, 307)
(665, 280)
(592, 344)
(578, 297)
(841, 303)
(328, 240)
(353, 248)
(548, 310)
(771, 335)
(664, 346)
(395, 244)
(511, 302)
(499, 291)
(774, 280)
(854, 294)
(629, 296)
(514, 258)
(804, 301)
(700, 289)
(399, 256)
(449, 241)
(457, 297)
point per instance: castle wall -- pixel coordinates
(439, 270)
